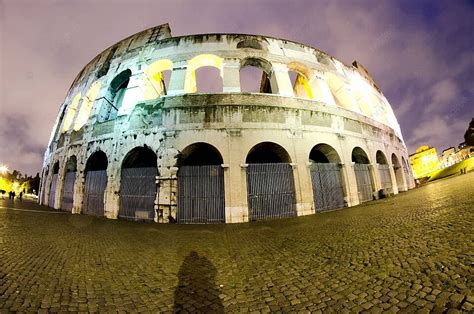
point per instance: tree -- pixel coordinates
(469, 135)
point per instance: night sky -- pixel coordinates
(419, 52)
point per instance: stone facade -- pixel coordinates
(120, 101)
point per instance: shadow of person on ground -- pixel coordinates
(196, 291)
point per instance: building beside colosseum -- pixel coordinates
(138, 138)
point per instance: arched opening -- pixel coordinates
(326, 178)
(397, 168)
(67, 198)
(299, 77)
(96, 182)
(137, 185)
(210, 79)
(269, 162)
(384, 172)
(200, 185)
(363, 175)
(250, 43)
(44, 180)
(156, 79)
(54, 182)
(365, 100)
(255, 76)
(86, 106)
(116, 93)
(339, 91)
(71, 112)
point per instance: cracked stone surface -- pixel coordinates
(407, 253)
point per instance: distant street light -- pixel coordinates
(3, 169)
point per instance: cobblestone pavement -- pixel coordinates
(413, 252)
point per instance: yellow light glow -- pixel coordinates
(424, 161)
(302, 88)
(196, 63)
(71, 112)
(153, 80)
(86, 107)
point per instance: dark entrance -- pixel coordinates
(137, 185)
(54, 182)
(326, 178)
(362, 173)
(270, 183)
(67, 199)
(201, 195)
(96, 181)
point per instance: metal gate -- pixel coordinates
(52, 190)
(327, 186)
(364, 182)
(201, 194)
(138, 193)
(385, 179)
(68, 191)
(96, 181)
(271, 191)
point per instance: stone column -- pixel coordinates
(280, 80)
(60, 184)
(79, 190)
(350, 184)
(177, 79)
(112, 190)
(231, 76)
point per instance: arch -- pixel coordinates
(201, 194)
(97, 161)
(338, 89)
(71, 112)
(116, 93)
(326, 178)
(267, 152)
(380, 158)
(70, 170)
(364, 98)
(270, 162)
(363, 175)
(156, 78)
(299, 77)
(53, 184)
(384, 172)
(204, 60)
(137, 184)
(251, 43)
(87, 104)
(255, 74)
(397, 168)
(96, 182)
(324, 153)
(200, 154)
(140, 157)
(359, 156)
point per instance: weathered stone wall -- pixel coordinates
(231, 121)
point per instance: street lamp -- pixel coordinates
(3, 169)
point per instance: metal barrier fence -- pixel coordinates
(385, 178)
(137, 193)
(68, 191)
(328, 192)
(201, 194)
(96, 181)
(52, 190)
(364, 182)
(271, 191)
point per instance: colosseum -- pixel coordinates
(283, 130)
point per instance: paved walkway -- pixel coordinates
(411, 252)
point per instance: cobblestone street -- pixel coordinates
(409, 252)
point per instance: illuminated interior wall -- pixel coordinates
(197, 62)
(86, 107)
(153, 79)
(424, 161)
(339, 90)
(71, 112)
